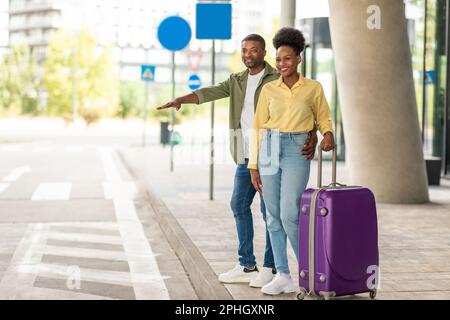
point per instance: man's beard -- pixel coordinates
(253, 64)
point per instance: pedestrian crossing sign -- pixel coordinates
(148, 73)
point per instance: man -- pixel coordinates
(243, 89)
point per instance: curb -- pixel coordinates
(202, 277)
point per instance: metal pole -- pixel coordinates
(447, 97)
(313, 52)
(172, 112)
(304, 60)
(424, 89)
(194, 118)
(211, 167)
(287, 13)
(144, 134)
(74, 81)
(336, 110)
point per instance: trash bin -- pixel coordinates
(176, 138)
(164, 133)
(434, 165)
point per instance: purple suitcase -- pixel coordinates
(338, 240)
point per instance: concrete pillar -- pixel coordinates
(379, 109)
(287, 13)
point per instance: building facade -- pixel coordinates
(4, 23)
(131, 27)
(430, 71)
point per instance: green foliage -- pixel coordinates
(19, 82)
(78, 57)
(132, 99)
(90, 115)
(132, 102)
(163, 94)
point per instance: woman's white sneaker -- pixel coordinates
(239, 274)
(282, 283)
(264, 276)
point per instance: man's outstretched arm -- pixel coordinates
(199, 96)
(191, 98)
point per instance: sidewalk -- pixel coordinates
(414, 240)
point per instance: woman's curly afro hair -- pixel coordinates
(290, 37)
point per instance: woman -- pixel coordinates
(288, 108)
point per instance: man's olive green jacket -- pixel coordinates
(235, 87)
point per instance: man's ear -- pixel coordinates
(264, 53)
(299, 58)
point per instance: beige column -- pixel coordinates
(379, 109)
(287, 13)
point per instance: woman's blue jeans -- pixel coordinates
(284, 175)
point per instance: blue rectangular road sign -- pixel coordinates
(430, 77)
(213, 21)
(148, 73)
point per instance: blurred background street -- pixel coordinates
(89, 208)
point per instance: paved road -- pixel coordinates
(73, 225)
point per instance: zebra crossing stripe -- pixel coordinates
(13, 148)
(52, 191)
(80, 237)
(16, 174)
(14, 284)
(93, 275)
(74, 148)
(134, 240)
(43, 148)
(94, 253)
(3, 187)
(52, 294)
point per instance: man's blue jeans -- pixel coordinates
(243, 194)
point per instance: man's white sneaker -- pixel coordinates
(238, 274)
(264, 276)
(282, 283)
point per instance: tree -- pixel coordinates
(78, 56)
(19, 81)
(132, 99)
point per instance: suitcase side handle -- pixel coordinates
(319, 168)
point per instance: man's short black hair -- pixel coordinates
(257, 38)
(290, 37)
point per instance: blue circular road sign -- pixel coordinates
(174, 33)
(194, 82)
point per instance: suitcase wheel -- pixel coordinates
(327, 295)
(302, 294)
(373, 294)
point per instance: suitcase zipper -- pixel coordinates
(312, 218)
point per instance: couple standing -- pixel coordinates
(274, 115)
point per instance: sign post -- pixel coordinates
(174, 34)
(194, 82)
(147, 75)
(213, 23)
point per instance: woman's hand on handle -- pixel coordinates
(327, 143)
(256, 180)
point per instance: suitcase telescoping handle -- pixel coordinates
(319, 167)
